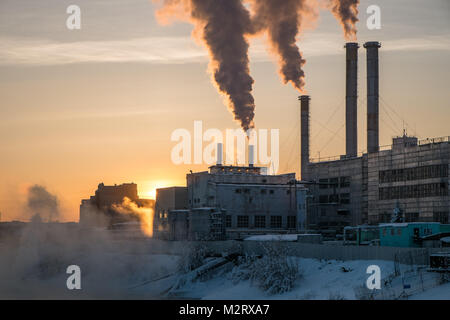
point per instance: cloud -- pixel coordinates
(177, 50)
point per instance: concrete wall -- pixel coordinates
(325, 215)
(408, 157)
(315, 251)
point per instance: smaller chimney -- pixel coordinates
(251, 155)
(219, 154)
(304, 135)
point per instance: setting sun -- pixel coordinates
(148, 188)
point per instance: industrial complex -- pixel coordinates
(406, 182)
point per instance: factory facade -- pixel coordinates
(230, 202)
(365, 188)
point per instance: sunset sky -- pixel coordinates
(80, 107)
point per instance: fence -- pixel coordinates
(405, 256)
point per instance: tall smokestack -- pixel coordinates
(219, 154)
(304, 135)
(351, 96)
(251, 155)
(372, 96)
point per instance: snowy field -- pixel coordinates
(320, 280)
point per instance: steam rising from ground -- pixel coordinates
(43, 204)
(145, 215)
(33, 263)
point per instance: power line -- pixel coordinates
(332, 138)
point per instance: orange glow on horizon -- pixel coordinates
(147, 189)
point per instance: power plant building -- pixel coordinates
(99, 210)
(365, 188)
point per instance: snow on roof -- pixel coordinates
(404, 224)
(445, 239)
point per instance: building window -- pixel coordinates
(271, 191)
(343, 212)
(275, 222)
(441, 217)
(228, 221)
(323, 199)
(292, 222)
(323, 212)
(344, 182)
(334, 182)
(260, 221)
(412, 217)
(344, 198)
(237, 190)
(323, 183)
(334, 198)
(242, 221)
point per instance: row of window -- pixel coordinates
(276, 222)
(343, 182)
(414, 191)
(343, 198)
(263, 191)
(442, 217)
(417, 173)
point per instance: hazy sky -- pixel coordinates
(99, 104)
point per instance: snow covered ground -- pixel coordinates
(34, 267)
(441, 292)
(321, 280)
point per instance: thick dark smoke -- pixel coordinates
(282, 21)
(222, 26)
(346, 11)
(42, 203)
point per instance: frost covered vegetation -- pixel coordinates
(274, 272)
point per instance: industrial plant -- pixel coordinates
(364, 189)
(407, 182)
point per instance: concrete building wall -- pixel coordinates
(167, 200)
(252, 202)
(414, 177)
(341, 202)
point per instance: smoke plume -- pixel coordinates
(222, 25)
(42, 203)
(346, 11)
(145, 215)
(282, 21)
